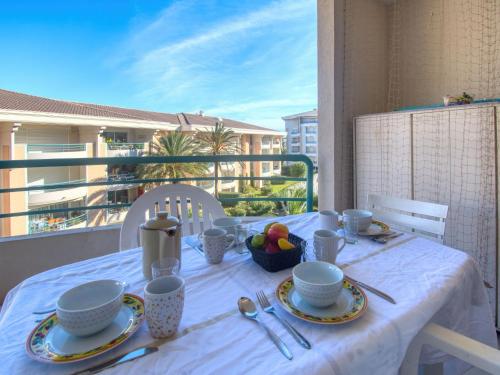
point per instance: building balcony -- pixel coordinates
(59, 195)
(125, 149)
(56, 151)
(50, 224)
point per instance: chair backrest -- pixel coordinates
(204, 208)
(427, 219)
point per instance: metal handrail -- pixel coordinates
(56, 147)
(135, 160)
(125, 146)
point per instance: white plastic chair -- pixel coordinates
(477, 354)
(427, 219)
(168, 198)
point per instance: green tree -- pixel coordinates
(218, 141)
(174, 144)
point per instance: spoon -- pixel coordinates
(249, 311)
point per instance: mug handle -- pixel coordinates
(341, 247)
(230, 240)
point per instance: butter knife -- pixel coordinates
(373, 290)
(134, 354)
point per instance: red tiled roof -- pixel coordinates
(11, 100)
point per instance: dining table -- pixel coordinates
(429, 281)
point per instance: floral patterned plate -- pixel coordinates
(376, 228)
(352, 303)
(49, 342)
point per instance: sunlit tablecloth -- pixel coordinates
(429, 282)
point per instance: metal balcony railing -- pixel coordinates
(135, 160)
(53, 224)
(70, 147)
(125, 146)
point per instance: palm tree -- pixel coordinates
(174, 144)
(218, 141)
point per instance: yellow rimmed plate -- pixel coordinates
(376, 228)
(351, 305)
(49, 343)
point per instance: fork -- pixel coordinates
(268, 308)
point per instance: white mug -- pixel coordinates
(215, 243)
(326, 245)
(163, 303)
(328, 219)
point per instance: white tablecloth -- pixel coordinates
(428, 281)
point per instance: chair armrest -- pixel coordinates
(471, 351)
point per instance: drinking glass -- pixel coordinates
(243, 231)
(351, 229)
(165, 267)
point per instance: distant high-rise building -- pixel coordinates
(302, 134)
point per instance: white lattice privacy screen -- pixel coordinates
(400, 53)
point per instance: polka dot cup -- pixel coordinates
(164, 301)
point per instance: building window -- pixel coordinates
(310, 139)
(295, 139)
(115, 137)
(308, 120)
(310, 150)
(266, 167)
(295, 149)
(311, 130)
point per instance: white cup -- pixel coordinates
(215, 243)
(328, 219)
(326, 245)
(229, 224)
(164, 302)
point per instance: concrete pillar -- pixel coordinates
(257, 166)
(335, 175)
(96, 195)
(18, 201)
(12, 202)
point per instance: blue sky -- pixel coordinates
(251, 60)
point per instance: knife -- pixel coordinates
(373, 290)
(130, 356)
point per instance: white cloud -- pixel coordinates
(256, 64)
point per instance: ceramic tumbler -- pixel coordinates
(328, 219)
(327, 245)
(164, 302)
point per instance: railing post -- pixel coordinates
(310, 185)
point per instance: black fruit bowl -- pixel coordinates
(278, 261)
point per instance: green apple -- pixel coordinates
(258, 240)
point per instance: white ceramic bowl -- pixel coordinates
(90, 307)
(318, 283)
(364, 218)
(227, 223)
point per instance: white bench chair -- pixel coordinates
(197, 211)
(479, 355)
(424, 218)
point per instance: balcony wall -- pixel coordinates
(56, 151)
(46, 197)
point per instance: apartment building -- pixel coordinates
(33, 127)
(302, 134)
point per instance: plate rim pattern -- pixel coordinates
(360, 300)
(38, 350)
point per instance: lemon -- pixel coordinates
(285, 245)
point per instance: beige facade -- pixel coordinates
(45, 140)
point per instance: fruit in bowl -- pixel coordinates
(277, 231)
(276, 248)
(274, 239)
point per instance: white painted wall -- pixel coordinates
(24, 256)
